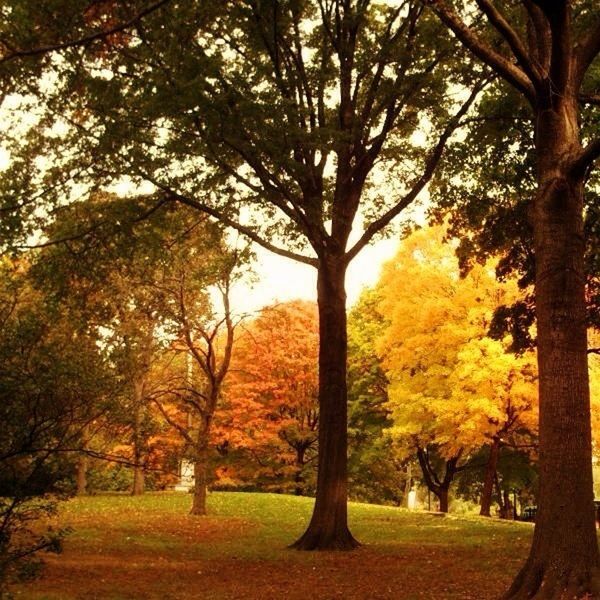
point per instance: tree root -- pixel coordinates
(315, 539)
(540, 581)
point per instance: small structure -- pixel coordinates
(186, 476)
(412, 499)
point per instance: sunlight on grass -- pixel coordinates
(148, 546)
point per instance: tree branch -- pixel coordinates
(244, 229)
(587, 156)
(512, 39)
(593, 99)
(87, 39)
(502, 66)
(430, 166)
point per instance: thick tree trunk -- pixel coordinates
(563, 562)
(328, 528)
(490, 472)
(200, 482)
(443, 498)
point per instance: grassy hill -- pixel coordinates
(149, 548)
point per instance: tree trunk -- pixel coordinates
(563, 560)
(407, 485)
(201, 460)
(200, 482)
(299, 477)
(82, 468)
(138, 451)
(139, 484)
(443, 498)
(328, 528)
(83, 463)
(440, 487)
(508, 507)
(488, 484)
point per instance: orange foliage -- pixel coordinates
(270, 407)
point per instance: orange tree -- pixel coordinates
(271, 409)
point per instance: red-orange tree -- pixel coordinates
(271, 409)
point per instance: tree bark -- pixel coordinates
(508, 507)
(82, 467)
(440, 487)
(82, 464)
(328, 528)
(443, 498)
(201, 459)
(563, 560)
(200, 482)
(407, 485)
(488, 484)
(138, 486)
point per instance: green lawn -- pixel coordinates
(149, 547)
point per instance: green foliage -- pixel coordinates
(485, 186)
(253, 105)
(52, 380)
(374, 473)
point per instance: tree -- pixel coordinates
(52, 384)
(206, 335)
(452, 388)
(105, 275)
(272, 119)
(85, 25)
(547, 53)
(143, 277)
(375, 473)
(271, 409)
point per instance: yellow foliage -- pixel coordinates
(450, 384)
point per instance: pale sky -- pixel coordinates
(279, 279)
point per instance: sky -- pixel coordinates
(279, 279)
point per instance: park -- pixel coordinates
(299, 299)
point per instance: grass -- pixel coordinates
(148, 547)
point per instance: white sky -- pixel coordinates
(279, 279)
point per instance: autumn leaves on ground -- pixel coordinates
(148, 547)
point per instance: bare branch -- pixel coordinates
(244, 229)
(181, 430)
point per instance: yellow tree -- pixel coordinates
(452, 388)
